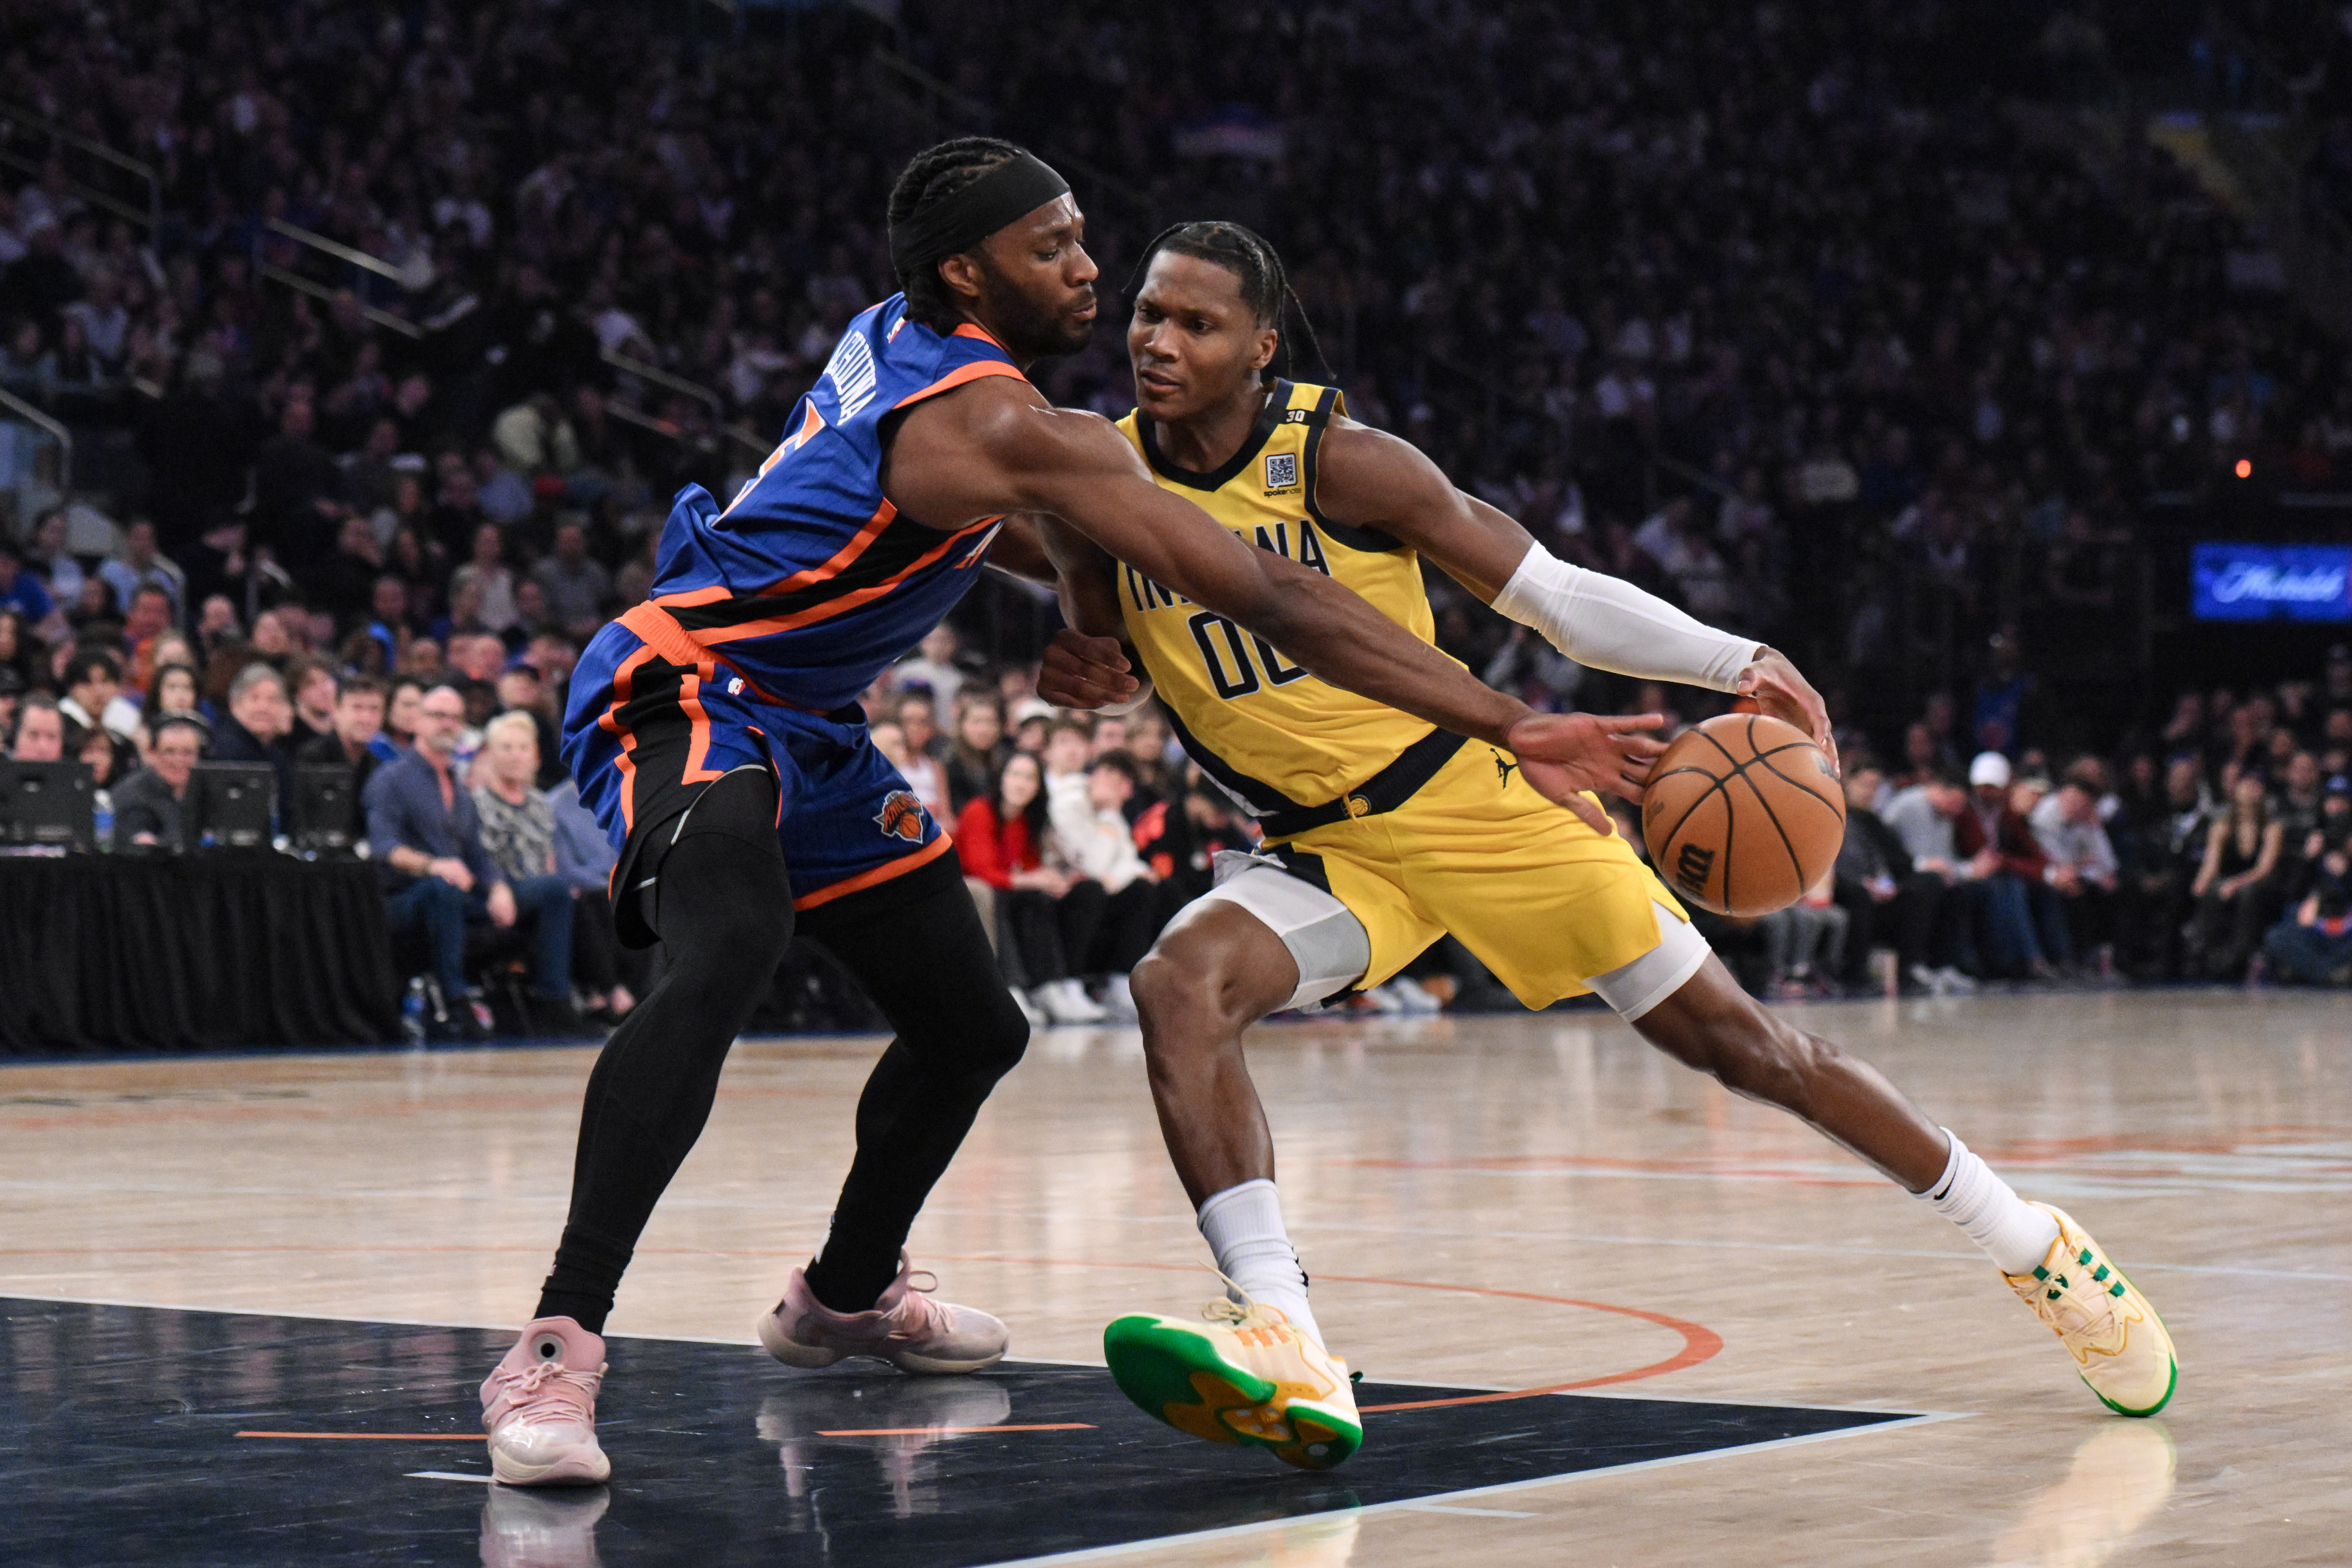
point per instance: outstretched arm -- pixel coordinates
(1370, 478)
(994, 447)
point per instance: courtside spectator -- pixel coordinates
(40, 731)
(172, 693)
(978, 749)
(2081, 876)
(354, 739)
(426, 834)
(260, 717)
(2234, 888)
(517, 828)
(2002, 860)
(1110, 914)
(312, 683)
(1001, 842)
(94, 697)
(585, 858)
(148, 804)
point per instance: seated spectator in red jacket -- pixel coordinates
(1000, 839)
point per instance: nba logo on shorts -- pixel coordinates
(1281, 470)
(901, 816)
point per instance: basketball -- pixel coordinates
(1743, 814)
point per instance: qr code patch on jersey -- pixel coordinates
(1281, 470)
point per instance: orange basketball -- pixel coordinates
(1743, 814)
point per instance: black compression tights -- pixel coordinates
(723, 908)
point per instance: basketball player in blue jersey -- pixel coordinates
(714, 729)
(1380, 833)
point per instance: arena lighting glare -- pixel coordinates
(2245, 468)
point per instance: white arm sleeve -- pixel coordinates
(1608, 624)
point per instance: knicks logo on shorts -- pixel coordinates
(901, 816)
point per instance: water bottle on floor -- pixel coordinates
(414, 1007)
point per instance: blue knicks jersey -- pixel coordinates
(809, 582)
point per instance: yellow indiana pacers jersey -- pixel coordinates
(1271, 733)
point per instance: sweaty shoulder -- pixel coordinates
(1365, 477)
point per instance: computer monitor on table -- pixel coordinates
(48, 806)
(231, 806)
(325, 815)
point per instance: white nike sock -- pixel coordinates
(1244, 1228)
(2014, 1234)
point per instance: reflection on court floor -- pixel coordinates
(134, 1435)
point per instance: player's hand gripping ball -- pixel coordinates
(1743, 814)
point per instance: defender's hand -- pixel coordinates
(1565, 754)
(1080, 671)
(1775, 687)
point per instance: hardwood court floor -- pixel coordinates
(1483, 1202)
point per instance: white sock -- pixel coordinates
(2014, 1234)
(1244, 1228)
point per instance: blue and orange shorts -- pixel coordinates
(653, 719)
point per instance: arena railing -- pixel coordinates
(52, 428)
(709, 396)
(347, 267)
(20, 125)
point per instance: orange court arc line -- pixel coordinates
(942, 1431)
(376, 1437)
(1699, 1341)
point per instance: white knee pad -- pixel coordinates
(1632, 989)
(1325, 940)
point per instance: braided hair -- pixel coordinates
(934, 174)
(1251, 257)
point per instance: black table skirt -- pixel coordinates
(204, 951)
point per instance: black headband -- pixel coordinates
(957, 221)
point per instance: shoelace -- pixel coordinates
(1245, 1313)
(929, 1316)
(2092, 1302)
(531, 1383)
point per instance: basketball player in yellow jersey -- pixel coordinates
(1381, 831)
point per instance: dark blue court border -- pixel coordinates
(118, 1445)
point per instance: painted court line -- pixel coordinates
(1699, 1343)
(375, 1436)
(1411, 1505)
(449, 1476)
(945, 1431)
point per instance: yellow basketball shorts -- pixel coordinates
(1542, 899)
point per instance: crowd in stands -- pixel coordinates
(1767, 308)
(2212, 848)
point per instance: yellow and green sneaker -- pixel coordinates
(2119, 1345)
(1241, 1374)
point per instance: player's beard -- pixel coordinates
(1027, 331)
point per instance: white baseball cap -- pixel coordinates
(1990, 768)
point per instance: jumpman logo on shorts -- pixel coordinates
(1503, 769)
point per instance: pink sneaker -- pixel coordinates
(539, 1405)
(905, 1327)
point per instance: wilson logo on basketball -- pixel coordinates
(901, 816)
(1691, 867)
